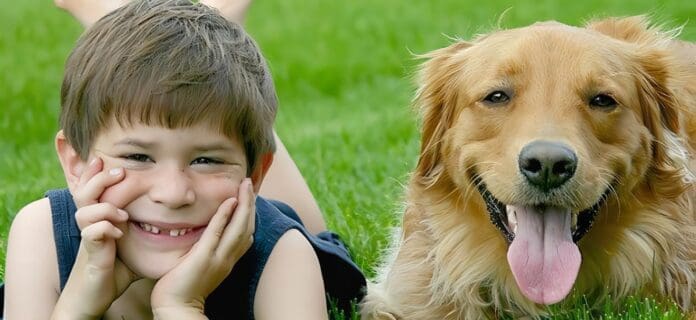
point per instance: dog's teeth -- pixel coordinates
(574, 220)
(512, 220)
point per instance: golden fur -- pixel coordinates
(448, 261)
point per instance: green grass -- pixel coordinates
(343, 71)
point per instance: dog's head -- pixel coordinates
(549, 123)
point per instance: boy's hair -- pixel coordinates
(170, 63)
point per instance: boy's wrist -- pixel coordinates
(62, 313)
(178, 312)
(74, 304)
(168, 307)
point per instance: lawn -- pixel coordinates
(343, 71)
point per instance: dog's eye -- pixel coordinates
(496, 97)
(603, 101)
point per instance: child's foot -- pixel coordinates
(89, 11)
(232, 10)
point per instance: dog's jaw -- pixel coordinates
(498, 213)
(542, 253)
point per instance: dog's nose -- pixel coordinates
(547, 165)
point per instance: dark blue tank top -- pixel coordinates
(234, 297)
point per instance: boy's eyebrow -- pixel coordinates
(214, 147)
(134, 142)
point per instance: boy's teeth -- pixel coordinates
(149, 228)
(178, 232)
(172, 232)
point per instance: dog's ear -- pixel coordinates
(659, 105)
(634, 29)
(653, 68)
(436, 100)
(661, 115)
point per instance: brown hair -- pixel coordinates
(170, 63)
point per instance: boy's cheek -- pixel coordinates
(211, 192)
(221, 188)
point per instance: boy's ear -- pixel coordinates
(259, 173)
(70, 160)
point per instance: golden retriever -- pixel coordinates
(554, 159)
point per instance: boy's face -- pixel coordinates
(175, 180)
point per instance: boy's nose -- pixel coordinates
(172, 188)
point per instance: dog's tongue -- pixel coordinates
(543, 257)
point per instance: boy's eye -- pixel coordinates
(138, 157)
(206, 160)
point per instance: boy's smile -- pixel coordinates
(175, 180)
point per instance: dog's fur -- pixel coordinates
(448, 261)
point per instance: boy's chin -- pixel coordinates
(151, 273)
(153, 268)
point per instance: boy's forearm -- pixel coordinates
(75, 304)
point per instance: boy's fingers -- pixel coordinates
(100, 232)
(92, 189)
(252, 219)
(216, 227)
(98, 240)
(93, 167)
(237, 237)
(238, 234)
(251, 204)
(91, 214)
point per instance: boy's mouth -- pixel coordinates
(156, 230)
(165, 231)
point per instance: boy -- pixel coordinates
(166, 135)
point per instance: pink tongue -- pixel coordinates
(543, 257)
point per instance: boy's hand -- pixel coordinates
(98, 277)
(226, 238)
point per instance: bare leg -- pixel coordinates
(89, 11)
(283, 181)
(234, 10)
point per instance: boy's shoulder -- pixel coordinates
(36, 214)
(33, 220)
(31, 247)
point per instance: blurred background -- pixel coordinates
(343, 71)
